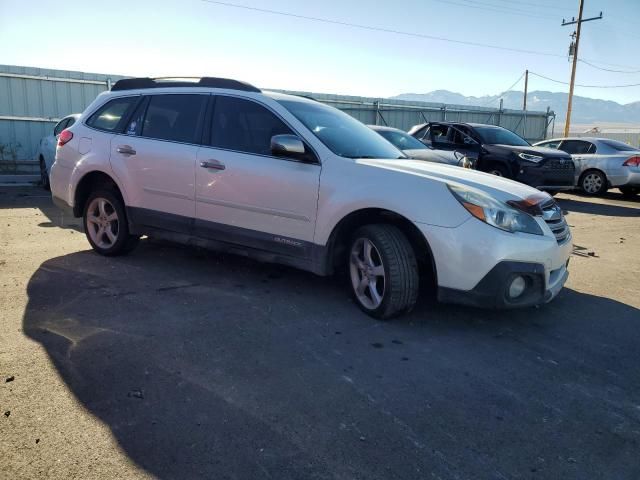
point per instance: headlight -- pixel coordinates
(495, 212)
(530, 158)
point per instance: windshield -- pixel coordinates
(500, 136)
(619, 146)
(401, 140)
(342, 134)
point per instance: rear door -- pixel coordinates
(246, 195)
(156, 154)
(582, 152)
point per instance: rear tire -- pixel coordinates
(593, 183)
(383, 271)
(44, 175)
(105, 224)
(629, 192)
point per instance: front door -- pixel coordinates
(244, 194)
(449, 138)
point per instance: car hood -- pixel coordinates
(542, 151)
(498, 187)
(431, 155)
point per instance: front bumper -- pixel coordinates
(475, 263)
(493, 290)
(553, 174)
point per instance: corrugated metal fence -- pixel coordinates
(32, 100)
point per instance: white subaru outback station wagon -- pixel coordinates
(286, 179)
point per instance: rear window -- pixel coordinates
(112, 114)
(619, 146)
(401, 140)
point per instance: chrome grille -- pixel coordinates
(552, 215)
(560, 164)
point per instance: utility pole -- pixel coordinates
(526, 86)
(575, 59)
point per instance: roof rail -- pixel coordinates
(211, 82)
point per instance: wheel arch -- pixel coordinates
(338, 242)
(89, 182)
(594, 169)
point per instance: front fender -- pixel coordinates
(414, 198)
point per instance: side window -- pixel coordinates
(577, 147)
(110, 115)
(460, 136)
(174, 117)
(244, 126)
(441, 134)
(62, 124)
(134, 127)
(420, 134)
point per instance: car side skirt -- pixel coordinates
(261, 246)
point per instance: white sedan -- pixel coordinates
(47, 148)
(414, 148)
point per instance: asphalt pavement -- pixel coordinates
(180, 363)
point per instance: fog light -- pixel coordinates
(517, 287)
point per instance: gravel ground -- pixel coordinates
(180, 363)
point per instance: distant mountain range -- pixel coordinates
(585, 110)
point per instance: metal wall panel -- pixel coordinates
(39, 103)
(40, 97)
(630, 138)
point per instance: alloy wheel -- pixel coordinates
(103, 224)
(367, 273)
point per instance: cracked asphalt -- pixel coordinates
(179, 363)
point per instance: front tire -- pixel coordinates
(499, 170)
(629, 192)
(105, 224)
(593, 183)
(383, 271)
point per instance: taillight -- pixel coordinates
(632, 162)
(64, 137)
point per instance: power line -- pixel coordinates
(504, 91)
(546, 6)
(396, 32)
(492, 7)
(381, 29)
(585, 86)
(607, 69)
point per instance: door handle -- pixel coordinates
(213, 164)
(125, 150)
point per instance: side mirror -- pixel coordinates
(469, 141)
(288, 146)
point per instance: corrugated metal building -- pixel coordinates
(32, 100)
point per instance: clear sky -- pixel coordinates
(193, 38)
